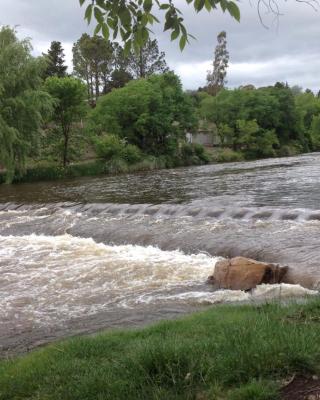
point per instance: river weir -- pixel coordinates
(81, 255)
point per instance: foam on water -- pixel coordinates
(263, 292)
(46, 280)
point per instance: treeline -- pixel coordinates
(104, 65)
(123, 111)
(48, 117)
(265, 122)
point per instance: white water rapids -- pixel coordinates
(48, 280)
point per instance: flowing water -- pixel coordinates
(85, 254)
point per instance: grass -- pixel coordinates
(226, 352)
(48, 171)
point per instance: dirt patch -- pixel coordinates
(302, 388)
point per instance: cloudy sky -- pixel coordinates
(288, 51)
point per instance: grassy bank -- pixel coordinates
(45, 171)
(227, 352)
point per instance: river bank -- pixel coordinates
(226, 352)
(49, 171)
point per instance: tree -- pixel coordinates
(315, 132)
(93, 60)
(151, 113)
(119, 78)
(22, 102)
(55, 60)
(148, 60)
(216, 79)
(274, 109)
(69, 94)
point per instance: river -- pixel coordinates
(81, 255)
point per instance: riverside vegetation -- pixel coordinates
(124, 112)
(226, 352)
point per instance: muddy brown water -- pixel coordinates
(81, 255)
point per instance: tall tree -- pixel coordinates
(216, 79)
(22, 102)
(148, 60)
(55, 59)
(69, 94)
(93, 60)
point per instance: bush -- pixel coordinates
(109, 146)
(288, 150)
(131, 154)
(112, 147)
(227, 155)
(187, 150)
(116, 166)
(194, 154)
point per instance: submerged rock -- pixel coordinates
(242, 273)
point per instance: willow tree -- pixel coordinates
(22, 102)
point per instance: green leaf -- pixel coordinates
(198, 5)
(98, 15)
(105, 31)
(208, 5)
(88, 13)
(164, 6)
(233, 10)
(97, 29)
(175, 34)
(223, 5)
(125, 16)
(182, 42)
(147, 5)
(81, 2)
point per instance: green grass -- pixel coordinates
(48, 171)
(226, 352)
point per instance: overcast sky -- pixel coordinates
(287, 52)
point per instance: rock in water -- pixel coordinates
(242, 273)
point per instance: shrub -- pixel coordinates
(187, 150)
(288, 150)
(228, 155)
(131, 154)
(112, 147)
(194, 154)
(109, 146)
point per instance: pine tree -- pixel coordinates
(216, 79)
(55, 59)
(148, 61)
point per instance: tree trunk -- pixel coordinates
(97, 84)
(141, 66)
(65, 147)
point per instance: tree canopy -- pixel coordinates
(22, 102)
(69, 95)
(150, 113)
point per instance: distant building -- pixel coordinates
(206, 135)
